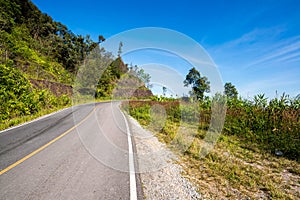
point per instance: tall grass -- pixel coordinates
(243, 163)
(271, 126)
(20, 101)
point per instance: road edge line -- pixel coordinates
(34, 120)
(132, 178)
(47, 115)
(45, 145)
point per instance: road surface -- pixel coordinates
(78, 153)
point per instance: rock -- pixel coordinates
(278, 152)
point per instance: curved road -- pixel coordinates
(82, 152)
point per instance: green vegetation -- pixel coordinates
(272, 128)
(257, 155)
(103, 77)
(20, 99)
(200, 84)
(33, 38)
(244, 157)
(230, 91)
(109, 78)
(42, 61)
(35, 52)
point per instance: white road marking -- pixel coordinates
(37, 119)
(43, 117)
(133, 192)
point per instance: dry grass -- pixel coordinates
(233, 169)
(233, 172)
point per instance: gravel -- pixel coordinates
(160, 176)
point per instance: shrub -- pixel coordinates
(269, 126)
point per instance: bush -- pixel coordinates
(19, 98)
(268, 126)
(16, 94)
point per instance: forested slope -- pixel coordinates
(36, 54)
(39, 61)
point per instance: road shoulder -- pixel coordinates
(160, 176)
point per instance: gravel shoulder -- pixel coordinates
(161, 177)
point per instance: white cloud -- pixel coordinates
(281, 82)
(261, 61)
(290, 57)
(252, 40)
(273, 56)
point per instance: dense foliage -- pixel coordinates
(34, 47)
(102, 76)
(109, 77)
(26, 34)
(38, 53)
(272, 126)
(18, 98)
(199, 84)
(230, 91)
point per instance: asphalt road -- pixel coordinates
(78, 153)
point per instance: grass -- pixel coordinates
(23, 119)
(234, 169)
(230, 168)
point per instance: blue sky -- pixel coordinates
(255, 44)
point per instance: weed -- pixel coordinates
(242, 164)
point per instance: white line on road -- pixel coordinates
(42, 117)
(34, 120)
(45, 145)
(133, 192)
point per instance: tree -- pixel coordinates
(100, 39)
(164, 90)
(200, 84)
(141, 75)
(144, 77)
(120, 49)
(230, 91)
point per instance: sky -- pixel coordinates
(254, 44)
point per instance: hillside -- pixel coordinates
(39, 62)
